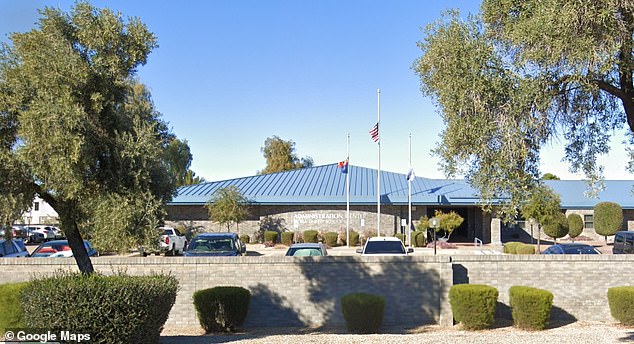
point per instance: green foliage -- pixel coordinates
(76, 121)
(556, 226)
(311, 236)
(608, 218)
(12, 315)
(543, 203)
(330, 238)
(136, 307)
(287, 238)
(280, 156)
(228, 206)
(448, 221)
(178, 158)
(520, 73)
(525, 249)
(245, 238)
(621, 302)
(550, 176)
(270, 236)
(423, 224)
(354, 238)
(269, 223)
(362, 312)
(222, 309)
(511, 247)
(575, 225)
(400, 236)
(419, 238)
(473, 305)
(530, 307)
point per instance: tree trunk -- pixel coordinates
(67, 213)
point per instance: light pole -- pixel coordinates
(434, 223)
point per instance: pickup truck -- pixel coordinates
(171, 241)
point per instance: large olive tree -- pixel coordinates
(81, 126)
(522, 73)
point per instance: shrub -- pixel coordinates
(524, 249)
(12, 315)
(530, 307)
(136, 307)
(575, 225)
(362, 312)
(245, 238)
(270, 236)
(287, 238)
(473, 305)
(331, 238)
(555, 226)
(621, 302)
(310, 236)
(221, 309)
(608, 218)
(400, 237)
(511, 246)
(354, 238)
(419, 238)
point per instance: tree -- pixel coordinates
(228, 206)
(556, 226)
(608, 218)
(575, 226)
(280, 156)
(521, 74)
(542, 204)
(178, 158)
(83, 129)
(448, 221)
(549, 176)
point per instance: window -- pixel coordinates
(36, 206)
(588, 221)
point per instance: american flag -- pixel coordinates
(374, 132)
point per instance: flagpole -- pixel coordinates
(348, 191)
(378, 176)
(409, 196)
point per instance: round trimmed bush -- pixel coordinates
(287, 238)
(556, 226)
(270, 236)
(575, 225)
(354, 238)
(221, 309)
(608, 218)
(12, 315)
(310, 236)
(245, 238)
(621, 301)
(473, 305)
(363, 312)
(530, 307)
(419, 239)
(331, 238)
(113, 309)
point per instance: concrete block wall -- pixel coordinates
(293, 291)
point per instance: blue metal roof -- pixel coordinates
(326, 185)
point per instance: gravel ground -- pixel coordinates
(575, 333)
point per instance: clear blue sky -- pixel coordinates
(228, 74)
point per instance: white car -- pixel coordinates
(48, 232)
(384, 246)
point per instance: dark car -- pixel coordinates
(13, 248)
(623, 242)
(216, 244)
(307, 249)
(573, 248)
(60, 248)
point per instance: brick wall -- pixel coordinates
(306, 292)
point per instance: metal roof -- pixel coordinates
(326, 185)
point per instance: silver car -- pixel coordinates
(306, 250)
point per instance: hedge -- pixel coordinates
(12, 315)
(473, 305)
(354, 238)
(113, 309)
(525, 249)
(270, 236)
(621, 302)
(419, 238)
(245, 238)
(510, 247)
(331, 238)
(310, 236)
(221, 309)
(287, 238)
(530, 307)
(363, 312)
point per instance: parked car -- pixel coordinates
(623, 242)
(384, 246)
(571, 248)
(48, 233)
(172, 242)
(307, 249)
(17, 232)
(216, 244)
(60, 248)
(13, 248)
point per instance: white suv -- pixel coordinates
(384, 246)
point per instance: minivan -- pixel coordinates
(623, 242)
